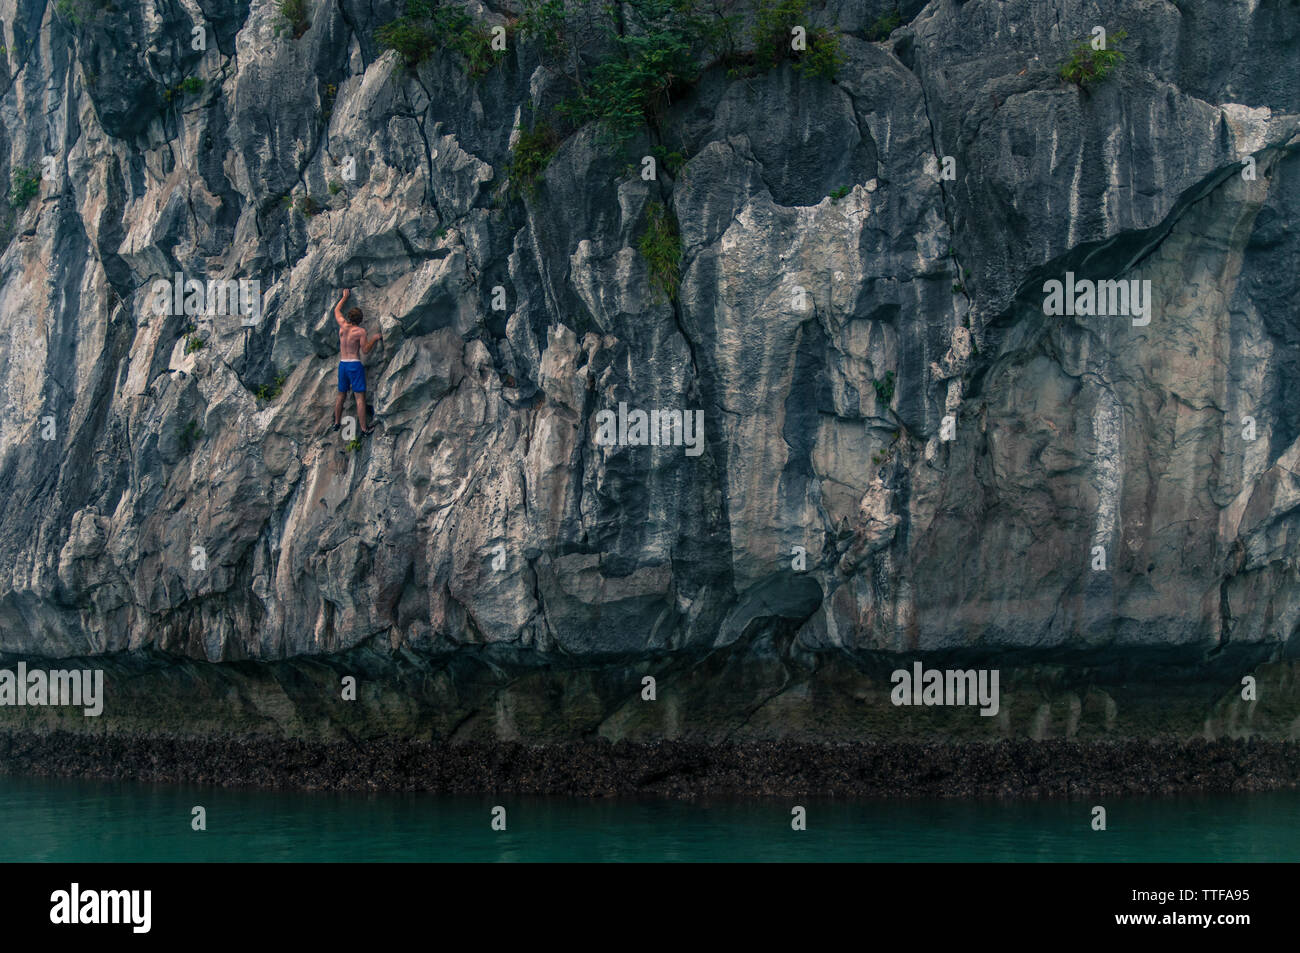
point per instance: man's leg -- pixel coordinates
(338, 407)
(361, 409)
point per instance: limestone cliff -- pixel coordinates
(902, 453)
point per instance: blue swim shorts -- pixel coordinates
(352, 377)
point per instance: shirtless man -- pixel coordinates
(353, 342)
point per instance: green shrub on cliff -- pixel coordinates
(823, 58)
(775, 23)
(1086, 66)
(24, 185)
(546, 21)
(429, 25)
(624, 65)
(655, 62)
(661, 245)
(79, 12)
(189, 86)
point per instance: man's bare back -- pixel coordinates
(351, 340)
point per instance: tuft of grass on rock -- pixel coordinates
(885, 24)
(530, 156)
(661, 246)
(885, 387)
(190, 434)
(294, 17)
(269, 392)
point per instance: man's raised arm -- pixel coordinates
(338, 308)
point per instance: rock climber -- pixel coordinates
(353, 342)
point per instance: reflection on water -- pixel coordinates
(59, 820)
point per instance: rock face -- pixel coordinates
(1113, 493)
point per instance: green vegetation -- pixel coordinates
(194, 343)
(885, 454)
(623, 65)
(659, 51)
(273, 390)
(823, 58)
(837, 194)
(190, 434)
(545, 21)
(306, 206)
(75, 12)
(885, 387)
(190, 85)
(671, 162)
(661, 245)
(24, 185)
(352, 446)
(655, 63)
(774, 22)
(885, 24)
(1086, 67)
(529, 158)
(335, 186)
(293, 17)
(429, 25)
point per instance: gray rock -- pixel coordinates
(825, 338)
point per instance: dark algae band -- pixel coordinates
(668, 769)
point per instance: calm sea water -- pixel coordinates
(78, 821)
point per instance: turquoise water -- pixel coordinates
(78, 821)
